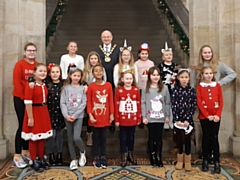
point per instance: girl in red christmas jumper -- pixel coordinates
(100, 108)
(127, 114)
(37, 124)
(210, 104)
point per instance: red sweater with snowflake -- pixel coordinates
(127, 106)
(100, 103)
(209, 100)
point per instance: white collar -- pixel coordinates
(213, 84)
(40, 84)
(109, 46)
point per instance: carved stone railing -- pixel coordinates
(175, 17)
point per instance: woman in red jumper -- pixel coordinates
(210, 104)
(127, 114)
(22, 69)
(100, 108)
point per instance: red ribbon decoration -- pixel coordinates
(50, 66)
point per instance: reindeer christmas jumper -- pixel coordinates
(100, 103)
(127, 106)
(156, 105)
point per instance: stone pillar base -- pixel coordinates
(235, 145)
(4, 148)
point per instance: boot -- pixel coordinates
(59, 160)
(37, 166)
(89, 139)
(153, 161)
(130, 158)
(179, 164)
(205, 165)
(217, 168)
(187, 162)
(43, 163)
(123, 159)
(52, 160)
(159, 159)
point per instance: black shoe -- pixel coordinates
(159, 160)
(123, 159)
(44, 164)
(141, 125)
(205, 165)
(112, 127)
(52, 160)
(217, 168)
(211, 159)
(131, 159)
(59, 160)
(200, 156)
(37, 166)
(153, 160)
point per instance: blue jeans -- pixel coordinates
(126, 136)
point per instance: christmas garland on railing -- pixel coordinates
(183, 39)
(51, 28)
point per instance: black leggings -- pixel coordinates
(155, 137)
(20, 109)
(183, 139)
(210, 142)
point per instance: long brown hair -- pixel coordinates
(200, 79)
(49, 79)
(149, 81)
(71, 71)
(120, 83)
(88, 66)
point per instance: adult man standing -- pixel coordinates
(109, 54)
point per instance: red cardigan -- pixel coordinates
(21, 72)
(127, 106)
(209, 100)
(100, 103)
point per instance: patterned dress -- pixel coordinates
(55, 113)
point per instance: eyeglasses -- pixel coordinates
(29, 50)
(106, 37)
(126, 55)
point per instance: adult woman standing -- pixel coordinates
(22, 69)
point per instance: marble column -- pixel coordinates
(21, 21)
(216, 23)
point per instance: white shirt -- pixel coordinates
(108, 47)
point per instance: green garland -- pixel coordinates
(183, 39)
(51, 29)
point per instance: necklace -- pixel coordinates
(107, 54)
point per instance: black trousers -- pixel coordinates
(183, 139)
(20, 109)
(210, 142)
(99, 141)
(155, 137)
(126, 136)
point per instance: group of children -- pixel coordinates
(143, 93)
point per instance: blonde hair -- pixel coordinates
(120, 63)
(88, 66)
(200, 78)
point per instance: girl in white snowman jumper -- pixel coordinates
(155, 112)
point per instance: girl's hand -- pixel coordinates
(117, 124)
(31, 85)
(68, 118)
(186, 124)
(73, 118)
(216, 118)
(179, 123)
(145, 121)
(211, 118)
(93, 120)
(167, 120)
(85, 88)
(30, 122)
(111, 118)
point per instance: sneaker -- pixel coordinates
(19, 162)
(103, 161)
(82, 160)
(73, 165)
(97, 163)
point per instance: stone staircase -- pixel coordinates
(83, 21)
(136, 21)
